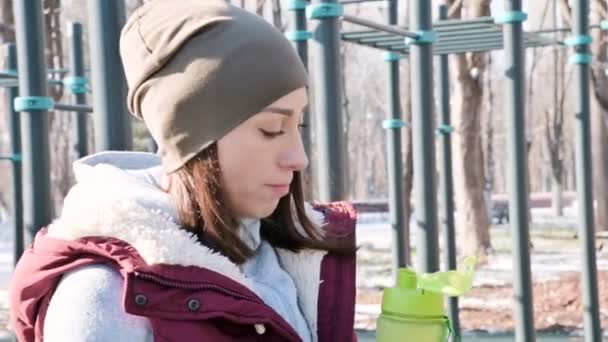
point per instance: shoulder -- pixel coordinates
(87, 305)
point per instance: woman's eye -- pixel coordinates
(302, 126)
(270, 134)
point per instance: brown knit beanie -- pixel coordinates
(196, 69)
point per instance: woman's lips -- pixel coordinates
(279, 189)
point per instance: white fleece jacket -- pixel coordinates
(121, 189)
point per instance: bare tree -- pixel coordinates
(489, 146)
(473, 221)
(277, 18)
(7, 34)
(408, 157)
(60, 123)
(259, 7)
(7, 26)
(554, 125)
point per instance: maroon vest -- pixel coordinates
(183, 303)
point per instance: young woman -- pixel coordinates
(210, 240)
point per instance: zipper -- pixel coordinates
(174, 284)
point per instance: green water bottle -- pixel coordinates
(413, 310)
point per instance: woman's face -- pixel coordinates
(258, 158)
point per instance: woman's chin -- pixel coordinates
(264, 209)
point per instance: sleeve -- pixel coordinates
(87, 306)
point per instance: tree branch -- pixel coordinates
(566, 11)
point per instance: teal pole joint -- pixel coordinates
(422, 37)
(298, 35)
(14, 158)
(391, 56)
(324, 10)
(445, 129)
(77, 84)
(11, 72)
(31, 103)
(578, 40)
(393, 124)
(581, 58)
(510, 17)
(295, 5)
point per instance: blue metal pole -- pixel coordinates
(518, 169)
(78, 86)
(394, 125)
(15, 127)
(325, 45)
(34, 105)
(112, 121)
(584, 184)
(421, 59)
(447, 183)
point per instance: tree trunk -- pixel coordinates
(7, 34)
(472, 215)
(277, 19)
(259, 7)
(557, 203)
(555, 125)
(408, 158)
(599, 118)
(7, 25)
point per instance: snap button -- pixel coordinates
(194, 304)
(141, 300)
(260, 329)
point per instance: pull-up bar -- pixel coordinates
(381, 27)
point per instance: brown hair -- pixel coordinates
(202, 211)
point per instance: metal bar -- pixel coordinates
(331, 162)
(377, 26)
(112, 121)
(446, 188)
(440, 29)
(81, 109)
(460, 22)
(15, 131)
(427, 251)
(300, 24)
(401, 250)
(77, 70)
(584, 182)
(478, 43)
(29, 24)
(349, 2)
(518, 172)
(475, 41)
(9, 75)
(440, 36)
(8, 83)
(457, 50)
(465, 35)
(362, 34)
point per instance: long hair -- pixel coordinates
(203, 210)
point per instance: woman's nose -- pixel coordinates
(294, 157)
